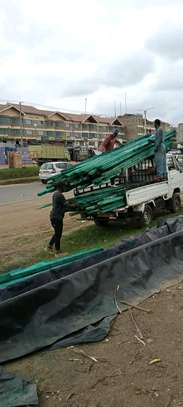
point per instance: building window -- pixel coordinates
(28, 132)
(92, 127)
(15, 122)
(5, 120)
(60, 125)
(59, 134)
(27, 122)
(50, 124)
(85, 126)
(4, 131)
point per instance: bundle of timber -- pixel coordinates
(100, 201)
(102, 168)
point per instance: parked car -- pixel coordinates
(51, 169)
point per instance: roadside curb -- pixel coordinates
(13, 181)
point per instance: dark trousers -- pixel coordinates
(58, 227)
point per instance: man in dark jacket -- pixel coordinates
(57, 216)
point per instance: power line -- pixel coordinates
(38, 105)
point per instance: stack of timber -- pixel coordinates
(102, 168)
(99, 170)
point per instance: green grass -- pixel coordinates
(13, 173)
(83, 239)
(94, 236)
(86, 238)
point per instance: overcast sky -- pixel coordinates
(57, 53)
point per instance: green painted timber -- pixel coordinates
(102, 168)
(20, 274)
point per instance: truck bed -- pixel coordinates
(144, 193)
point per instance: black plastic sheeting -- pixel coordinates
(15, 391)
(75, 303)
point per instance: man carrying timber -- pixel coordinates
(109, 142)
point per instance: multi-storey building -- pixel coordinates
(136, 125)
(31, 124)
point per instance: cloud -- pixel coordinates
(128, 71)
(122, 72)
(170, 77)
(158, 104)
(155, 3)
(61, 54)
(167, 43)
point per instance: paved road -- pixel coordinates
(10, 194)
(18, 193)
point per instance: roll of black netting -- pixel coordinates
(58, 271)
(77, 303)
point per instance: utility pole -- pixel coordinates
(21, 124)
(115, 110)
(85, 104)
(125, 103)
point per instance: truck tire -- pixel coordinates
(147, 216)
(175, 203)
(101, 221)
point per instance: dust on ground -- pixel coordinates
(123, 375)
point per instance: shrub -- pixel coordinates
(11, 173)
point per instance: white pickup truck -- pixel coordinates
(142, 201)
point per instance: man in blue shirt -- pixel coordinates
(160, 151)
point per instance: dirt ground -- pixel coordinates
(22, 221)
(128, 371)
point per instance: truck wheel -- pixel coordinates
(146, 216)
(101, 221)
(175, 203)
(44, 181)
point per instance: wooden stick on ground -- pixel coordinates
(136, 306)
(84, 354)
(136, 326)
(116, 289)
(140, 340)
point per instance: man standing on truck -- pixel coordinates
(109, 142)
(160, 151)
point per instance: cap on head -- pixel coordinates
(157, 123)
(115, 132)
